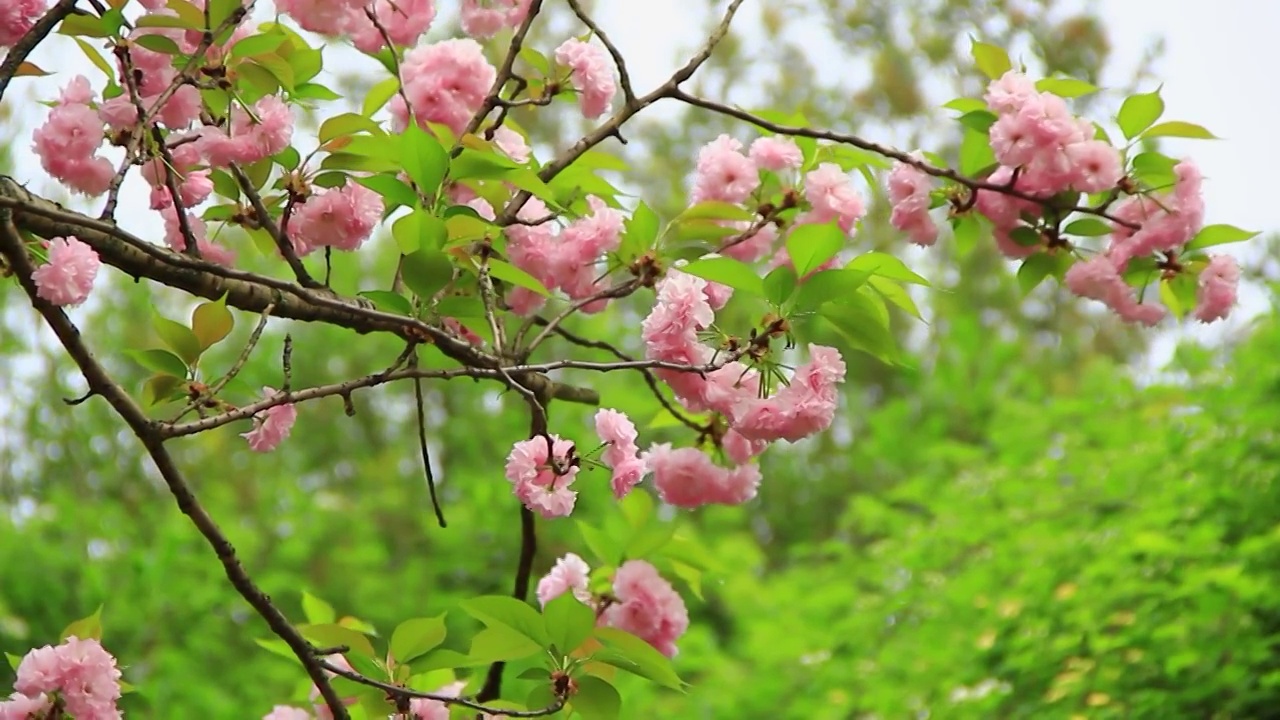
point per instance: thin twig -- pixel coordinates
(504, 74)
(628, 93)
(27, 43)
(398, 691)
(423, 445)
(283, 243)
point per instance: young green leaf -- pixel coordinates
(330, 635)
(89, 628)
(596, 699)
(628, 652)
(1087, 227)
(812, 245)
(160, 361)
(211, 322)
(426, 271)
(178, 337)
(1220, 234)
(387, 301)
(1034, 270)
(886, 265)
(727, 271)
(424, 159)
(317, 611)
(1138, 112)
(991, 60)
(499, 642)
(507, 272)
(569, 622)
(417, 636)
(495, 610)
(1179, 129)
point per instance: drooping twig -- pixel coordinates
(423, 446)
(145, 430)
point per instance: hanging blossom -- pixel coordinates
(271, 426)
(404, 21)
(80, 674)
(485, 18)
(253, 137)
(567, 260)
(909, 195)
(723, 173)
(643, 603)
(777, 153)
(174, 238)
(446, 83)
(1216, 293)
(193, 185)
(592, 75)
(543, 486)
(68, 277)
(67, 144)
(622, 454)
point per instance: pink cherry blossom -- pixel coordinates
(1216, 294)
(68, 142)
(542, 487)
(253, 137)
(622, 453)
(592, 75)
(512, 144)
(17, 17)
(648, 607)
(1166, 222)
(271, 426)
(681, 310)
(687, 477)
(341, 218)
(754, 246)
(209, 250)
(485, 18)
(1097, 165)
(776, 153)
(446, 82)
(193, 185)
(83, 674)
(1010, 91)
(326, 17)
(21, 707)
(803, 408)
(570, 574)
(68, 277)
(404, 20)
(427, 709)
(832, 197)
(723, 173)
(909, 194)
(1100, 279)
(286, 712)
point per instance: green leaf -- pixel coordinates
(895, 293)
(279, 68)
(83, 25)
(812, 245)
(499, 610)
(419, 230)
(475, 165)
(330, 635)
(347, 124)
(1034, 270)
(178, 337)
(727, 271)
(978, 120)
(499, 642)
(650, 538)
(975, 153)
(444, 658)
(641, 232)
(780, 285)
(991, 60)
(828, 286)
(160, 361)
(393, 190)
(862, 320)
(568, 622)
(257, 44)
(1220, 234)
(160, 388)
(535, 60)
(387, 301)
(426, 271)
(417, 636)
(96, 58)
(886, 265)
(1179, 294)
(158, 43)
(1088, 227)
(628, 652)
(211, 322)
(507, 272)
(1179, 129)
(965, 105)
(424, 159)
(596, 699)
(314, 91)
(89, 628)
(14, 660)
(1066, 87)
(317, 611)
(714, 210)
(1138, 112)
(600, 543)
(1154, 169)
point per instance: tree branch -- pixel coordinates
(101, 384)
(36, 35)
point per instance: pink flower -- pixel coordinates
(1097, 166)
(622, 454)
(21, 707)
(484, 18)
(17, 17)
(592, 74)
(68, 142)
(208, 249)
(723, 172)
(543, 485)
(252, 137)
(688, 478)
(404, 20)
(670, 331)
(326, 17)
(1165, 223)
(1100, 279)
(570, 574)
(1010, 92)
(341, 218)
(512, 144)
(776, 153)
(909, 195)
(1217, 289)
(286, 712)
(271, 426)
(446, 82)
(828, 190)
(193, 185)
(68, 276)
(648, 607)
(81, 671)
(806, 406)
(427, 709)
(754, 246)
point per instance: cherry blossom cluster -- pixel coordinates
(642, 602)
(17, 17)
(1044, 150)
(68, 277)
(77, 678)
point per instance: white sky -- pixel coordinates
(1217, 72)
